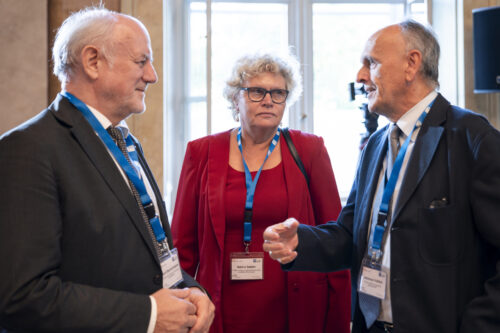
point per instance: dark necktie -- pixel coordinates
(369, 305)
(117, 136)
(394, 147)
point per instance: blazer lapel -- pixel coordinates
(100, 158)
(159, 199)
(368, 184)
(218, 161)
(425, 147)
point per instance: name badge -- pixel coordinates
(372, 282)
(247, 266)
(171, 269)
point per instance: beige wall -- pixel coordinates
(24, 66)
(148, 127)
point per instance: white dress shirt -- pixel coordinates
(405, 124)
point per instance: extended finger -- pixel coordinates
(275, 247)
(272, 246)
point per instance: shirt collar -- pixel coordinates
(106, 123)
(408, 120)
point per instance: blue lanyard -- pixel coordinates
(380, 228)
(129, 170)
(252, 184)
(132, 153)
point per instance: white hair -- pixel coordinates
(89, 26)
(422, 38)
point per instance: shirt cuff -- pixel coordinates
(152, 319)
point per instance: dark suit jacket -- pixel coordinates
(76, 255)
(445, 260)
(316, 302)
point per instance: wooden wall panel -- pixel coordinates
(487, 104)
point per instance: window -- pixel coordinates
(237, 28)
(327, 37)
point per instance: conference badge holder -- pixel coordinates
(171, 269)
(372, 280)
(247, 265)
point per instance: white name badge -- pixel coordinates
(171, 269)
(373, 282)
(247, 266)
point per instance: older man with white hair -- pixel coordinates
(84, 235)
(420, 230)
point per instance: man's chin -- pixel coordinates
(140, 108)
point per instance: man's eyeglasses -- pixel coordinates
(256, 94)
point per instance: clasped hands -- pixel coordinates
(190, 310)
(281, 240)
(183, 310)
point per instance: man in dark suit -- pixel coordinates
(84, 237)
(421, 233)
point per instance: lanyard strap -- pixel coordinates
(129, 170)
(389, 188)
(252, 184)
(132, 153)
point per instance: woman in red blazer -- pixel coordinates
(218, 224)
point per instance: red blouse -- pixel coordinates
(270, 207)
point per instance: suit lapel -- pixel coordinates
(159, 199)
(375, 158)
(99, 156)
(425, 147)
(218, 161)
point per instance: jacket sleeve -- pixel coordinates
(482, 313)
(326, 203)
(32, 295)
(184, 221)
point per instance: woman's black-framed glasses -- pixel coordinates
(257, 94)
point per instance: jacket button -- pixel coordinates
(295, 286)
(157, 279)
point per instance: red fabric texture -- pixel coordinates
(202, 229)
(270, 207)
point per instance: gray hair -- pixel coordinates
(422, 38)
(250, 66)
(89, 26)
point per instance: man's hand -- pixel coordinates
(175, 311)
(281, 240)
(204, 310)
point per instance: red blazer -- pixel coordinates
(317, 302)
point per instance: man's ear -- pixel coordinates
(414, 63)
(90, 61)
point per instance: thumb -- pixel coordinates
(288, 228)
(180, 293)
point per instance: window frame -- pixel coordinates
(176, 76)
